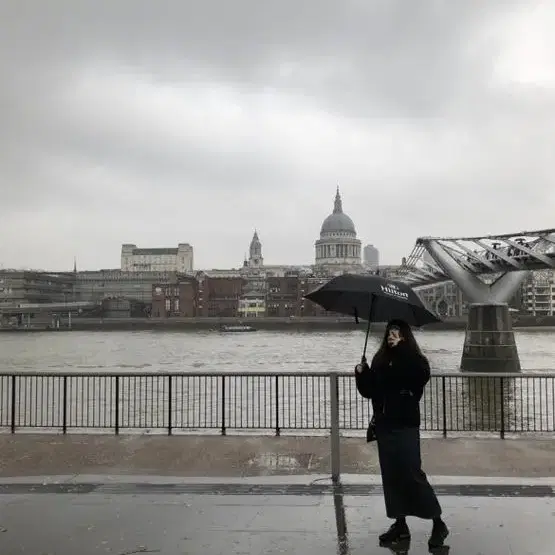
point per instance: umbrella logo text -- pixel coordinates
(392, 290)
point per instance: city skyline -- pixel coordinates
(165, 125)
(329, 231)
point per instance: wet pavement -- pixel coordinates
(32, 454)
(199, 495)
(86, 515)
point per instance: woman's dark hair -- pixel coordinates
(410, 345)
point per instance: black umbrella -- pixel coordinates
(372, 298)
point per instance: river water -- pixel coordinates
(262, 351)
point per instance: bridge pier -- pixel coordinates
(489, 344)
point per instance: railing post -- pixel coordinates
(116, 405)
(277, 406)
(334, 429)
(444, 404)
(13, 405)
(64, 408)
(223, 405)
(170, 393)
(502, 433)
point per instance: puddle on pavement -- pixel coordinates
(277, 461)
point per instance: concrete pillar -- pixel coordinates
(489, 344)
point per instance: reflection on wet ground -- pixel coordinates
(340, 519)
(155, 515)
(399, 548)
(279, 461)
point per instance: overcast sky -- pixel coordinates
(163, 122)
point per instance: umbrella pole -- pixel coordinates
(368, 326)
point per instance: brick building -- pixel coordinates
(218, 296)
(283, 296)
(178, 298)
(307, 308)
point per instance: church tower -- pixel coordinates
(255, 252)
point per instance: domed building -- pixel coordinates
(338, 250)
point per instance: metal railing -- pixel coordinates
(307, 402)
(222, 402)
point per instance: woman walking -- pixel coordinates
(395, 383)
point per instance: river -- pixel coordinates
(262, 351)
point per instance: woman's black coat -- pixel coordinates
(395, 384)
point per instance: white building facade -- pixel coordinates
(178, 259)
(538, 293)
(338, 250)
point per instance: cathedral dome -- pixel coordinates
(338, 249)
(338, 221)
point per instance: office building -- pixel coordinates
(371, 257)
(178, 259)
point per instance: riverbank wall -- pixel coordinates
(269, 324)
(215, 324)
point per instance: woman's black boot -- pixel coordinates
(439, 533)
(398, 531)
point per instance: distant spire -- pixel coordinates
(74, 264)
(255, 239)
(338, 206)
(255, 249)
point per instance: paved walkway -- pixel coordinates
(62, 495)
(27, 455)
(108, 514)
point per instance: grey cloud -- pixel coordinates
(352, 55)
(425, 68)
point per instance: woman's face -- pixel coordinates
(394, 336)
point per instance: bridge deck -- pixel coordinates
(414, 276)
(494, 254)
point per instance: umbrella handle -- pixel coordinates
(368, 326)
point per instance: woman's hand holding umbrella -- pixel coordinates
(363, 365)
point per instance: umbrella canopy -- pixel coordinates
(372, 298)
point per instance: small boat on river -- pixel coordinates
(237, 329)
